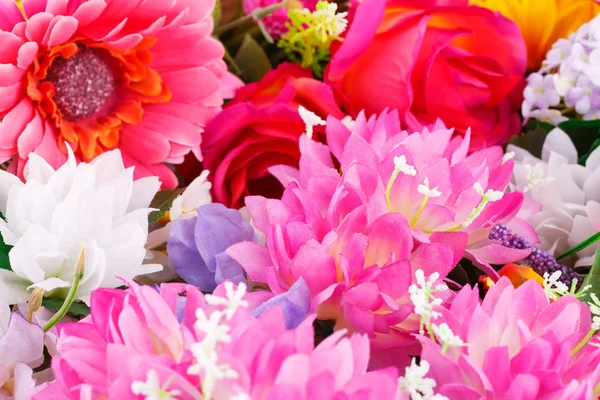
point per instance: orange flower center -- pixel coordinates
(90, 91)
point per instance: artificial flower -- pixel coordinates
(184, 206)
(208, 347)
(276, 22)
(519, 274)
(539, 260)
(357, 257)
(144, 78)
(50, 217)
(568, 84)
(21, 349)
(426, 176)
(310, 34)
(197, 245)
(560, 19)
(260, 129)
(568, 194)
(430, 60)
(517, 345)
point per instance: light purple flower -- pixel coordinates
(21, 349)
(197, 245)
(295, 304)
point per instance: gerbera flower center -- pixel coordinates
(91, 91)
(83, 84)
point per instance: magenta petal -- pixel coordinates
(10, 15)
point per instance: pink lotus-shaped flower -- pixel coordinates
(518, 346)
(358, 269)
(144, 77)
(177, 342)
(427, 176)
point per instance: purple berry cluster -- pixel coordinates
(539, 260)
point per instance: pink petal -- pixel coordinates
(11, 15)
(62, 31)
(255, 259)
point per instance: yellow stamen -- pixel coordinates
(415, 218)
(388, 190)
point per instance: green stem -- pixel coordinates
(78, 276)
(255, 15)
(232, 63)
(577, 248)
(583, 342)
(444, 348)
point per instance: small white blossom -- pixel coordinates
(595, 310)
(425, 190)
(234, 300)
(207, 367)
(446, 336)
(416, 384)
(553, 287)
(205, 352)
(421, 295)
(310, 119)
(152, 390)
(215, 332)
(536, 177)
(486, 197)
(540, 91)
(331, 22)
(401, 165)
(559, 53)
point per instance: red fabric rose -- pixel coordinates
(259, 129)
(433, 59)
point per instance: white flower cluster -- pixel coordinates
(416, 384)
(595, 310)
(421, 295)
(216, 332)
(569, 80)
(562, 197)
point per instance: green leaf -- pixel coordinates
(163, 202)
(580, 246)
(592, 278)
(4, 259)
(583, 159)
(217, 13)
(583, 134)
(252, 60)
(533, 136)
(76, 308)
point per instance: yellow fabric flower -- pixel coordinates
(543, 22)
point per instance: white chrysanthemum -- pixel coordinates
(569, 195)
(54, 213)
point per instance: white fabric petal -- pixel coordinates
(13, 290)
(559, 142)
(50, 284)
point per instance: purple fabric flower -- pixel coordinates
(295, 304)
(197, 245)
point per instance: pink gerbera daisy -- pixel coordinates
(142, 76)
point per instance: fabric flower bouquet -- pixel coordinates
(300, 200)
